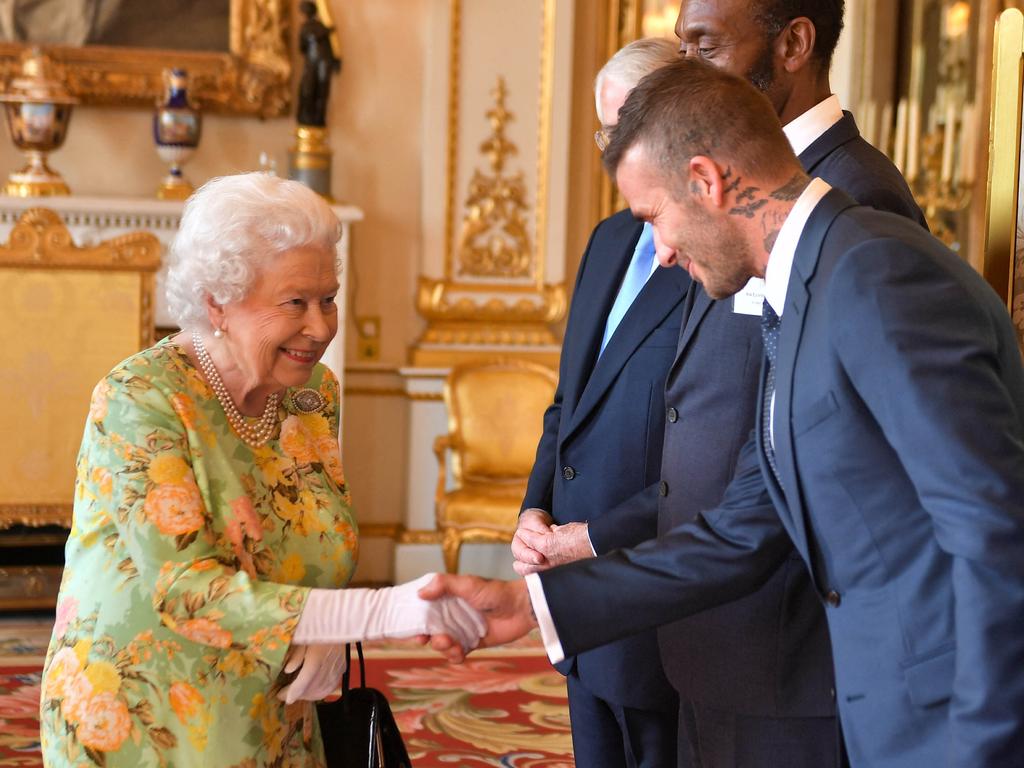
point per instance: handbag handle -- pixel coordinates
(348, 666)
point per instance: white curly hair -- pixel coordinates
(231, 229)
(632, 63)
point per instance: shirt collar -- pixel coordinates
(780, 260)
(805, 129)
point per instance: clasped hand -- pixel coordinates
(539, 544)
(332, 617)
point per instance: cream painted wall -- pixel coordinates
(376, 127)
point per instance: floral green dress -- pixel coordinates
(187, 567)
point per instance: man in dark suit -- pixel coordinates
(602, 443)
(888, 452)
(755, 682)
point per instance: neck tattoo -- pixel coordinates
(254, 435)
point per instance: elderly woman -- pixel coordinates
(212, 523)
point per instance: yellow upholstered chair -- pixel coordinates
(495, 418)
(70, 314)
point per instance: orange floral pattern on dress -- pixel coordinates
(188, 564)
(175, 509)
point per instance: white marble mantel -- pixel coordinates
(93, 219)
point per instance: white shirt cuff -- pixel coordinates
(547, 626)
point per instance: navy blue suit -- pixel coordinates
(766, 655)
(899, 441)
(603, 435)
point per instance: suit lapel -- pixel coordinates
(663, 291)
(606, 267)
(805, 264)
(843, 131)
(699, 307)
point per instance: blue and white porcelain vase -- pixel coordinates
(177, 126)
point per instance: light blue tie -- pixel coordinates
(637, 273)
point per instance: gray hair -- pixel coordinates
(231, 228)
(632, 63)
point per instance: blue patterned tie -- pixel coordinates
(770, 323)
(637, 273)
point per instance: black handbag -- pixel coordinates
(358, 729)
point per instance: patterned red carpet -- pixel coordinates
(504, 707)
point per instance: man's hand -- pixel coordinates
(562, 544)
(528, 559)
(504, 605)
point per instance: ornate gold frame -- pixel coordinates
(40, 240)
(1004, 158)
(253, 79)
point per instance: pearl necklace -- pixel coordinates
(253, 435)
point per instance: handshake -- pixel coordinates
(455, 614)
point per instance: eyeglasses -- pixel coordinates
(601, 138)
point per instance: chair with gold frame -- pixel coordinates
(1004, 235)
(71, 313)
(495, 418)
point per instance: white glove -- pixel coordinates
(346, 615)
(320, 670)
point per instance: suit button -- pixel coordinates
(832, 693)
(673, 415)
(833, 598)
(568, 473)
(663, 488)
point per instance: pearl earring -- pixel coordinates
(217, 333)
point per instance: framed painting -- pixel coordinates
(1004, 241)
(113, 52)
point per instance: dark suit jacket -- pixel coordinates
(768, 653)
(899, 440)
(603, 432)
(841, 157)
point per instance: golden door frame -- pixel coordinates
(1003, 265)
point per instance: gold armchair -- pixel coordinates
(495, 416)
(71, 314)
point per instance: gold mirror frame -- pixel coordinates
(253, 79)
(1004, 256)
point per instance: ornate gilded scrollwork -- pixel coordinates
(254, 78)
(493, 241)
(492, 300)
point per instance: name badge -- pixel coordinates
(749, 300)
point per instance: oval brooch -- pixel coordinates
(308, 401)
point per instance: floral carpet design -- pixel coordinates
(504, 707)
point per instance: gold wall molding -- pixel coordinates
(374, 392)
(420, 537)
(35, 515)
(399, 533)
(253, 78)
(493, 292)
(392, 531)
(425, 396)
(493, 240)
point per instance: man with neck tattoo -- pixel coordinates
(754, 676)
(887, 453)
